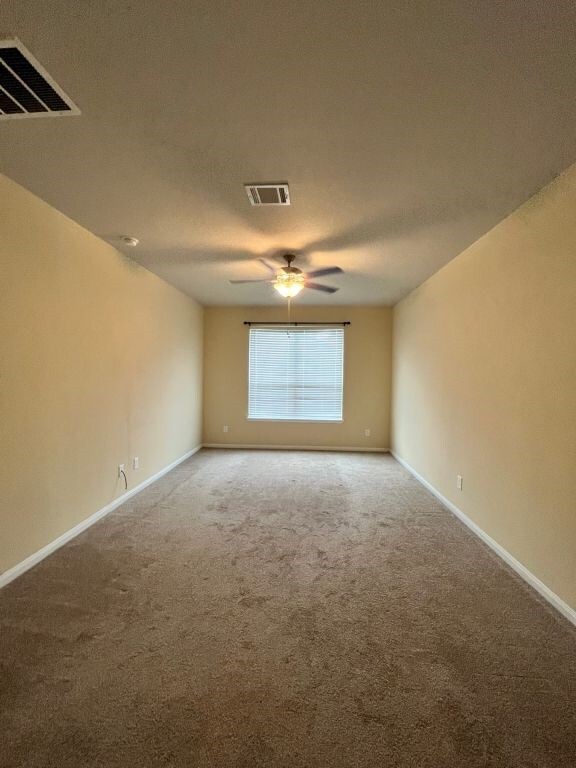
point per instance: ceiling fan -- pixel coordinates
(289, 280)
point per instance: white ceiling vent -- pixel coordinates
(26, 89)
(268, 194)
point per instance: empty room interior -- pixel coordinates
(287, 384)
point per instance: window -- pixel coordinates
(296, 374)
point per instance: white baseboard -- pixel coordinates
(34, 559)
(250, 446)
(551, 597)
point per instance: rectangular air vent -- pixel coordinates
(26, 89)
(268, 194)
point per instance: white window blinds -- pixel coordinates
(296, 374)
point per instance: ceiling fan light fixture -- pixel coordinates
(289, 285)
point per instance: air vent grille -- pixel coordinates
(268, 194)
(26, 89)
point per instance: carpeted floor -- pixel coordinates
(282, 609)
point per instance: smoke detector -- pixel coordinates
(132, 242)
(268, 194)
(26, 89)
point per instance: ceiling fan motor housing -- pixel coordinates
(290, 270)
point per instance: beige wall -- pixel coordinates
(367, 359)
(485, 384)
(100, 361)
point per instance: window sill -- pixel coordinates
(297, 421)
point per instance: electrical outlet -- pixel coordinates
(459, 482)
(135, 463)
(120, 469)
(366, 433)
(225, 428)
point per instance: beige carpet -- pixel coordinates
(283, 609)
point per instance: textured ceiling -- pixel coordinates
(406, 130)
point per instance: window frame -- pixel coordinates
(305, 420)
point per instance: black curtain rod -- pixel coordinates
(280, 322)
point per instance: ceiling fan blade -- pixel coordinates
(319, 287)
(270, 267)
(324, 271)
(238, 282)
